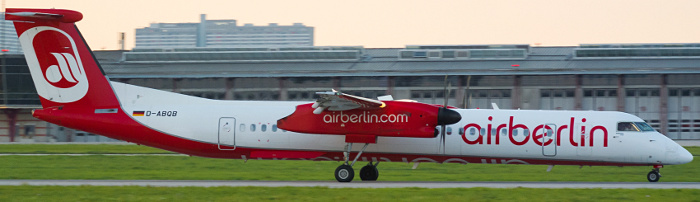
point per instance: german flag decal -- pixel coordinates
(139, 113)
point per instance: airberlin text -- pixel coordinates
(364, 117)
(577, 137)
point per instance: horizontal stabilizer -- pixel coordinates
(33, 15)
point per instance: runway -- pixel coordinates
(356, 184)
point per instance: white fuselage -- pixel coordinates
(252, 124)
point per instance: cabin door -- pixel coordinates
(549, 139)
(227, 133)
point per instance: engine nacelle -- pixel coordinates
(396, 119)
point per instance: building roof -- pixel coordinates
(387, 62)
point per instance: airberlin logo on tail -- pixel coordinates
(63, 71)
(54, 63)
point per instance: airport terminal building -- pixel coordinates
(658, 82)
(223, 33)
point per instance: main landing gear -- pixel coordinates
(369, 172)
(345, 173)
(654, 175)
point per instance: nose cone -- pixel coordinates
(448, 116)
(676, 154)
(684, 156)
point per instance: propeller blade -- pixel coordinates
(443, 127)
(445, 93)
(467, 98)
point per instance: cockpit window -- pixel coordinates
(627, 126)
(634, 126)
(643, 126)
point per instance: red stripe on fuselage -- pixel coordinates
(121, 126)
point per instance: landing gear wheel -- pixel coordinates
(653, 176)
(344, 173)
(369, 173)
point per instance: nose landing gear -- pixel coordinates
(654, 175)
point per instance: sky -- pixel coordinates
(397, 23)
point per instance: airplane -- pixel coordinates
(76, 93)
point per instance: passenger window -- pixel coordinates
(461, 131)
(504, 132)
(526, 132)
(550, 132)
(274, 127)
(252, 127)
(626, 126)
(493, 132)
(515, 132)
(449, 130)
(242, 128)
(472, 131)
(483, 132)
(263, 127)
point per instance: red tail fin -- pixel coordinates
(62, 66)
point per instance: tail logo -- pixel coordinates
(54, 63)
(66, 65)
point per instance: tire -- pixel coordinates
(344, 173)
(369, 173)
(653, 176)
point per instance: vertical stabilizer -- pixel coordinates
(62, 66)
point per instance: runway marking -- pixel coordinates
(356, 184)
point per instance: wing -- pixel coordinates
(337, 101)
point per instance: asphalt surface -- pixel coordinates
(356, 184)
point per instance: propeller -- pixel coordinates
(446, 116)
(467, 97)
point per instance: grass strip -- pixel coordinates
(131, 193)
(196, 168)
(79, 149)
